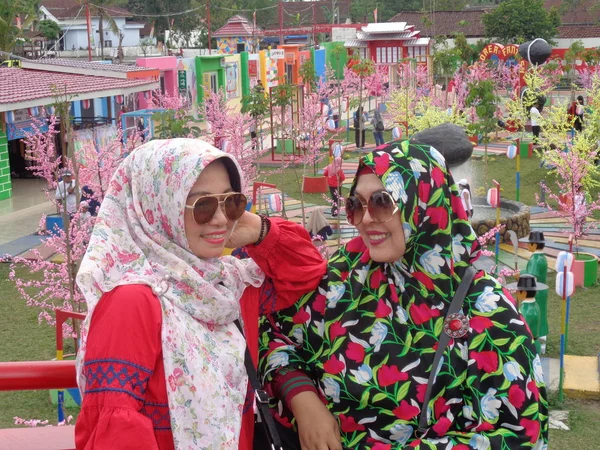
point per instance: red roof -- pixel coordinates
(22, 85)
(583, 12)
(469, 22)
(68, 9)
(444, 23)
(238, 26)
(578, 31)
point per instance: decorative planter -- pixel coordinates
(526, 149)
(585, 269)
(314, 184)
(287, 144)
(53, 221)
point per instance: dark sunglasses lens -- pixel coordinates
(354, 210)
(205, 209)
(235, 205)
(381, 206)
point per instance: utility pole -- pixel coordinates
(88, 20)
(281, 23)
(314, 40)
(208, 22)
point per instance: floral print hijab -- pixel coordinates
(440, 242)
(139, 238)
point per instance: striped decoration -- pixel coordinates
(85, 104)
(9, 117)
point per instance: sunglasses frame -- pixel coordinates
(221, 199)
(365, 207)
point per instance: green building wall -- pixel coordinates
(5, 183)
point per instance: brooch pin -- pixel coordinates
(456, 325)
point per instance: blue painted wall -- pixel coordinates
(320, 62)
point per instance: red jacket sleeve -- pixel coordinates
(288, 256)
(123, 345)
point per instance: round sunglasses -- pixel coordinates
(205, 207)
(381, 207)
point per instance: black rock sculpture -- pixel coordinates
(450, 140)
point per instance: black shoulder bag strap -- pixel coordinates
(262, 399)
(455, 307)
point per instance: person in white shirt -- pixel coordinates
(65, 192)
(535, 114)
(465, 196)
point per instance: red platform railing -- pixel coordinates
(37, 375)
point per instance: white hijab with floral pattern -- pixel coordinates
(139, 238)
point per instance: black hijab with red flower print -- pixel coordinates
(368, 334)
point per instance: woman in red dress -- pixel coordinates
(161, 363)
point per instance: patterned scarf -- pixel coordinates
(139, 238)
(440, 243)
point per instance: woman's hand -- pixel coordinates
(317, 428)
(245, 232)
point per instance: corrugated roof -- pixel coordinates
(418, 42)
(355, 43)
(22, 85)
(68, 9)
(385, 36)
(80, 63)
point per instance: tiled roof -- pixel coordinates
(583, 12)
(469, 22)
(444, 23)
(238, 26)
(578, 31)
(68, 9)
(22, 85)
(80, 63)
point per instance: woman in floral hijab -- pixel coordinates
(161, 362)
(365, 340)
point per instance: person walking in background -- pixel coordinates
(360, 121)
(378, 127)
(65, 192)
(535, 114)
(335, 177)
(579, 112)
(465, 196)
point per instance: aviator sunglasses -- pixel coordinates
(381, 207)
(205, 207)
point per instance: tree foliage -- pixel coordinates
(10, 10)
(518, 21)
(49, 29)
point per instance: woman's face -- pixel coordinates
(208, 240)
(385, 240)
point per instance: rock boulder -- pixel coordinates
(450, 140)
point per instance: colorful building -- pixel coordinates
(238, 35)
(96, 91)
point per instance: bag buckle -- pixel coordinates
(261, 396)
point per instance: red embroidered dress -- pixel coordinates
(126, 404)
